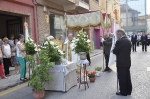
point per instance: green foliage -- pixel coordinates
(52, 51)
(40, 73)
(98, 68)
(91, 74)
(30, 47)
(82, 43)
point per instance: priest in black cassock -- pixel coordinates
(122, 50)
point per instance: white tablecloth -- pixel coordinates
(64, 77)
(81, 62)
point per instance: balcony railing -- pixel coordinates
(86, 1)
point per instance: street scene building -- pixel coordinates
(133, 15)
(13, 14)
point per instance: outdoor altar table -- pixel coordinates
(64, 77)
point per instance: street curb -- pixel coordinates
(96, 54)
(12, 85)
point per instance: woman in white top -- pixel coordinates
(20, 48)
(6, 56)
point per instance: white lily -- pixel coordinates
(88, 41)
(52, 43)
(45, 43)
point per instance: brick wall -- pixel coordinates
(43, 26)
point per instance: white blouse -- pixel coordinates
(7, 50)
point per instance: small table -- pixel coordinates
(83, 64)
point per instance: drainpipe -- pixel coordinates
(35, 22)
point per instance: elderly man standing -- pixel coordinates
(107, 43)
(122, 51)
(68, 47)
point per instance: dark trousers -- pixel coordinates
(107, 61)
(148, 42)
(124, 80)
(144, 46)
(88, 58)
(134, 46)
(138, 42)
(7, 63)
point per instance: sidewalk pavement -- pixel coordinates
(105, 86)
(14, 79)
(96, 52)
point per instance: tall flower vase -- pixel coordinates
(82, 55)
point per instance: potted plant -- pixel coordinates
(98, 69)
(40, 73)
(91, 76)
(82, 46)
(53, 52)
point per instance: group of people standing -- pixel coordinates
(12, 52)
(143, 38)
(122, 50)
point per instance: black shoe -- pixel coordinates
(23, 79)
(120, 94)
(105, 70)
(146, 51)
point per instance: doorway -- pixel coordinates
(96, 39)
(10, 24)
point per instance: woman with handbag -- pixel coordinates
(6, 56)
(2, 74)
(20, 48)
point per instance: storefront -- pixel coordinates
(13, 14)
(57, 25)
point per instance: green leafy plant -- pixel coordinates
(98, 68)
(52, 51)
(91, 74)
(82, 43)
(30, 47)
(40, 73)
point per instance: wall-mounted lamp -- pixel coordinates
(45, 9)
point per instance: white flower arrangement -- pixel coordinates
(82, 43)
(30, 46)
(53, 51)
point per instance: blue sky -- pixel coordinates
(138, 5)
